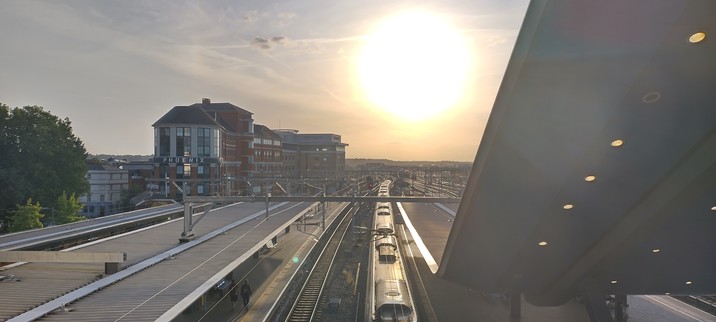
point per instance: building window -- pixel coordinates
(183, 171)
(202, 171)
(101, 198)
(164, 135)
(203, 142)
(216, 144)
(183, 141)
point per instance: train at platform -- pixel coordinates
(388, 296)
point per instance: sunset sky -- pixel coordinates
(115, 67)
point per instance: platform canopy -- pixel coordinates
(598, 162)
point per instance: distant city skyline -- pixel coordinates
(114, 68)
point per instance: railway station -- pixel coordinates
(592, 198)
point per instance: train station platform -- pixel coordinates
(446, 301)
(172, 281)
(268, 276)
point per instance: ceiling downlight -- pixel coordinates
(697, 37)
(542, 243)
(617, 143)
(651, 97)
(568, 206)
(590, 178)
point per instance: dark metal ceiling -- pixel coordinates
(582, 75)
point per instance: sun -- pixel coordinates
(414, 65)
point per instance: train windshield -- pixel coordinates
(394, 312)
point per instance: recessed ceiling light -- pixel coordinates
(697, 37)
(590, 178)
(614, 282)
(655, 250)
(617, 143)
(713, 208)
(667, 293)
(688, 283)
(542, 243)
(651, 97)
(568, 206)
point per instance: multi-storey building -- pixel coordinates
(106, 185)
(267, 158)
(313, 156)
(204, 148)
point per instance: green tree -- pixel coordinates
(41, 158)
(67, 209)
(26, 217)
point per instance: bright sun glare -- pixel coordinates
(414, 65)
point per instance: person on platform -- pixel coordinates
(246, 292)
(234, 294)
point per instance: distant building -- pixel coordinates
(313, 156)
(139, 171)
(205, 148)
(106, 185)
(267, 157)
(216, 149)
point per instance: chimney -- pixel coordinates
(205, 101)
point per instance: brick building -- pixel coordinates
(205, 148)
(267, 158)
(313, 156)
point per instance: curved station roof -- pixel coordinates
(598, 162)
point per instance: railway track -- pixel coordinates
(305, 307)
(704, 303)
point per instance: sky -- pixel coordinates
(115, 67)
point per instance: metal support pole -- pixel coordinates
(323, 204)
(324, 215)
(188, 233)
(267, 204)
(620, 305)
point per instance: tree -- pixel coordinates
(26, 217)
(41, 158)
(67, 209)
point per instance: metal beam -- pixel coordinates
(60, 257)
(226, 199)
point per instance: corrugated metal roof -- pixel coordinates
(147, 294)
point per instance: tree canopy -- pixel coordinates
(67, 209)
(26, 217)
(41, 159)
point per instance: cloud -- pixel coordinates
(261, 43)
(279, 39)
(269, 43)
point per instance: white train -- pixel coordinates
(388, 297)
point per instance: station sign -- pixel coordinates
(204, 160)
